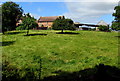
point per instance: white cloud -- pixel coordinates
(36, 16)
(89, 12)
(91, 0)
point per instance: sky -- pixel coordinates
(83, 11)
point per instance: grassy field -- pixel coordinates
(67, 52)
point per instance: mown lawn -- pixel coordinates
(53, 52)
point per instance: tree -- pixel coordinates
(28, 22)
(63, 24)
(116, 22)
(11, 13)
(103, 28)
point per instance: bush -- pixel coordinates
(103, 28)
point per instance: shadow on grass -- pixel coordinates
(12, 33)
(72, 33)
(117, 36)
(100, 72)
(34, 34)
(6, 43)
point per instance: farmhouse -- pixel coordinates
(47, 21)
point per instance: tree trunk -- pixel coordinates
(62, 31)
(27, 31)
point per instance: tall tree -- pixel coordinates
(28, 23)
(116, 22)
(11, 13)
(63, 24)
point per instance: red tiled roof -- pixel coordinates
(50, 18)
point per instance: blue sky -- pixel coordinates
(79, 11)
(44, 8)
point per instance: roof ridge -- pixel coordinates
(49, 16)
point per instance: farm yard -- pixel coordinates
(45, 53)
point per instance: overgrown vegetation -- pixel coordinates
(24, 56)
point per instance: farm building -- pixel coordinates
(82, 26)
(103, 23)
(47, 21)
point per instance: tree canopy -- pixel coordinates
(116, 22)
(28, 22)
(63, 24)
(11, 13)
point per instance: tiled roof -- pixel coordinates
(50, 18)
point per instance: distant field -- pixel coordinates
(67, 52)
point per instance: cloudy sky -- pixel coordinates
(83, 11)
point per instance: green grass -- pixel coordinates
(66, 52)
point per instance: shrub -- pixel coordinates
(103, 28)
(93, 29)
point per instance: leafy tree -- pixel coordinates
(28, 22)
(116, 22)
(63, 24)
(11, 13)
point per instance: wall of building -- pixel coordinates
(19, 22)
(45, 24)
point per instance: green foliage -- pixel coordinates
(21, 27)
(93, 29)
(116, 22)
(117, 13)
(63, 24)
(11, 13)
(103, 28)
(28, 22)
(115, 26)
